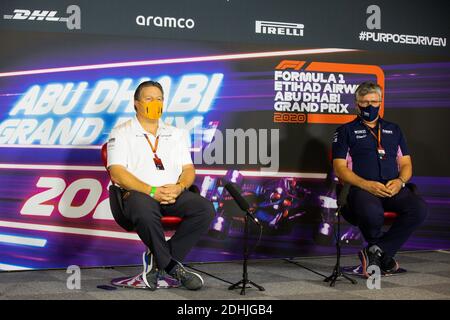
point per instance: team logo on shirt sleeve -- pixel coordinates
(111, 143)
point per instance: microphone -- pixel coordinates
(241, 202)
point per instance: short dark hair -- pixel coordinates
(145, 84)
(368, 87)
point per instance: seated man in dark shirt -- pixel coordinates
(380, 167)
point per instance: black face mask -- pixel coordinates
(369, 113)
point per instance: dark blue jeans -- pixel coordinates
(367, 212)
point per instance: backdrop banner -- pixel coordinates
(260, 89)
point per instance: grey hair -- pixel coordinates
(368, 87)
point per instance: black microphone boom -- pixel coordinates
(242, 203)
(342, 200)
(337, 271)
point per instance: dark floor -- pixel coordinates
(428, 277)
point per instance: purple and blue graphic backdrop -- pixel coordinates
(54, 209)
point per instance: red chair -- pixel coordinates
(389, 217)
(169, 223)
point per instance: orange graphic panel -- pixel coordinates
(344, 68)
(327, 67)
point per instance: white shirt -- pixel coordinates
(128, 147)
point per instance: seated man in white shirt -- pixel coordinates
(152, 162)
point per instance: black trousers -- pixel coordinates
(367, 212)
(145, 213)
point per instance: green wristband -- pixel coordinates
(152, 192)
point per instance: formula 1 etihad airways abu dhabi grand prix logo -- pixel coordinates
(318, 92)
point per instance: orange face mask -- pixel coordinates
(153, 109)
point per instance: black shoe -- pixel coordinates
(370, 256)
(190, 280)
(389, 265)
(150, 272)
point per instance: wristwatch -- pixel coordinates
(403, 182)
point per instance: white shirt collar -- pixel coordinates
(162, 127)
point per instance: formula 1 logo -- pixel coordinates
(318, 92)
(73, 21)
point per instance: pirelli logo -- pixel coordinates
(279, 28)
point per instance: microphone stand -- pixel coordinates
(243, 283)
(337, 272)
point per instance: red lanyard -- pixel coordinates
(377, 138)
(158, 162)
(151, 145)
